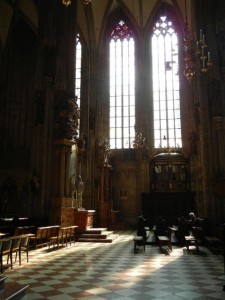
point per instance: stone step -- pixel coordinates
(12, 291)
(94, 240)
(98, 240)
(94, 235)
(92, 231)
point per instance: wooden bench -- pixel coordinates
(191, 241)
(12, 247)
(138, 241)
(64, 236)
(163, 239)
(43, 234)
(166, 239)
(50, 235)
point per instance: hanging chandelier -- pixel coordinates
(196, 57)
(139, 141)
(68, 2)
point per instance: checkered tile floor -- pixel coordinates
(113, 271)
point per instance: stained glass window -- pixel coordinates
(166, 85)
(122, 86)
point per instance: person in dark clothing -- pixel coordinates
(141, 227)
(161, 227)
(192, 219)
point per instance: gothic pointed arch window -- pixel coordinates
(122, 85)
(166, 84)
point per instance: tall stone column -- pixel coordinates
(47, 144)
(62, 154)
(62, 203)
(139, 144)
(104, 203)
(64, 168)
(219, 130)
(219, 163)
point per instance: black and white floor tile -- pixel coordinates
(97, 271)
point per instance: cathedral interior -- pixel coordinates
(127, 96)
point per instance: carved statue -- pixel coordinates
(105, 149)
(67, 115)
(79, 191)
(72, 185)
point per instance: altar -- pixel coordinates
(83, 219)
(63, 213)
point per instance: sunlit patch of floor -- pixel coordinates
(113, 271)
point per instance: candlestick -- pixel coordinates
(203, 39)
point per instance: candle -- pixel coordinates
(208, 56)
(200, 34)
(202, 50)
(203, 66)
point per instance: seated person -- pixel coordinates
(161, 227)
(141, 227)
(195, 225)
(192, 219)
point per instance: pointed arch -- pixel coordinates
(114, 17)
(120, 40)
(164, 46)
(172, 12)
